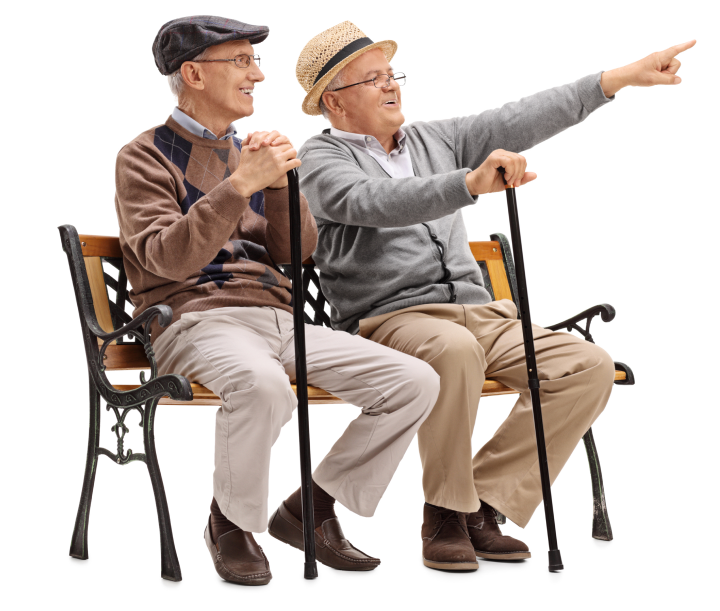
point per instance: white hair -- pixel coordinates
(337, 82)
(175, 80)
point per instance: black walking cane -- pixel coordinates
(555, 561)
(301, 376)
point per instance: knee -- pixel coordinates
(425, 383)
(408, 385)
(265, 395)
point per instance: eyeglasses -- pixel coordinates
(241, 61)
(381, 81)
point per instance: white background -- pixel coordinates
(624, 211)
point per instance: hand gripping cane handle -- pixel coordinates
(301, 375)
(555, 561)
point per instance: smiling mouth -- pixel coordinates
(247, 91)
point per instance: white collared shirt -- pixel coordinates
(397, 163)
(199, 130)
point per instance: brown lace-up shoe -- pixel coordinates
(331, 546)
(487, 539)
(446, 542)
(238, 558)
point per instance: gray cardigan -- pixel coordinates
(390, 243)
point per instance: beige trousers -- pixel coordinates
(246, 356)
(466, 343)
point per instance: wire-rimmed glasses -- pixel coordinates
(381, 81)
(241, 61)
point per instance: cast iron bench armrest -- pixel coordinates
(607, 313)
(605, 310)
(135, 326)
(175, 386)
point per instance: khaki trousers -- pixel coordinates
(246, 356)
(466, 343)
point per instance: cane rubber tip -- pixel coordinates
(311, 570)
(554, 561)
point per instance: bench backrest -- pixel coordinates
(108, 287)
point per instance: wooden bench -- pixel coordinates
(101, 291)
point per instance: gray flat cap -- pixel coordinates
(182, 39)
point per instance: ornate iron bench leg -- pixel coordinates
(169, 559)
(79, 543)
(601, 528)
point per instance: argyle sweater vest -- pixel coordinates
(189, 239)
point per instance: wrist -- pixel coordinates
(281, 183)
(469, 183)
(613, 81)
(241, 185)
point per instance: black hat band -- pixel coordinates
(347, 51)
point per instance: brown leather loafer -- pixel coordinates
(488, 541)
(446, 542)
(238, 558)
(331, 546)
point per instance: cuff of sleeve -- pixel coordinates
(276, 195)
(226, 201)
(456, 190)
(591, 93)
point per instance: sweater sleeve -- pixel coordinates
(166, 242)
(518, 126)
(277, 232)
(338, 190)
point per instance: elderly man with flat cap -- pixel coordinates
(396, 267)
(203, 227)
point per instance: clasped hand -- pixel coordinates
(265, 160)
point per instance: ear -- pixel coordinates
(192, 75)
(333, 103)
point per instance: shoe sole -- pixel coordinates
(451, 566)
(272, 531)
(228, 576)
(502, 555)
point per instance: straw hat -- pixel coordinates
(328, 53)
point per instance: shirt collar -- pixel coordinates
(197, 129)
(370, 142)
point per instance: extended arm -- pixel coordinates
(518, 126)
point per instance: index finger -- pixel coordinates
(256, 139)
(671, 52)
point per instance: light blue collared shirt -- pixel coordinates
(397, 163)
(195, 128)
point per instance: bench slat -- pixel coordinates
(93, 267)
(100, 246)
(203, 396)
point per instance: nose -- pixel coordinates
(391, 85)
(254, 73)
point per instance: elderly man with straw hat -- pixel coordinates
(396, 268)
(203, 227)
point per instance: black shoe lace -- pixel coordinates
(447, 516)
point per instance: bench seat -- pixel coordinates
(203, 396)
